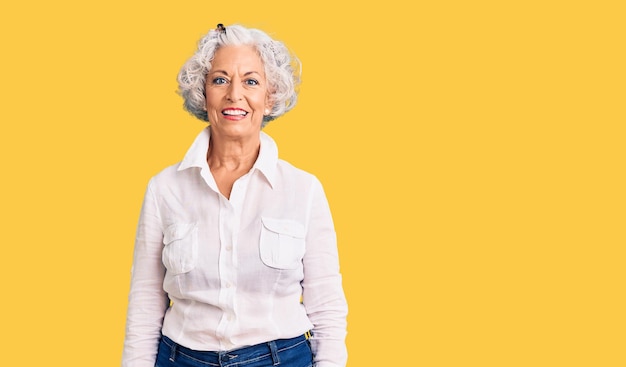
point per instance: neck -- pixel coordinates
(230, 154)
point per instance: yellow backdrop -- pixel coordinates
(472, 152)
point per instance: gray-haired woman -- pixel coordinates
(235, 260)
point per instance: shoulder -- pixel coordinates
(167, 175)
(288, 169)
(289, 174)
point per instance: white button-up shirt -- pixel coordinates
(216, 274)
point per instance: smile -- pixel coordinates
(234, 112)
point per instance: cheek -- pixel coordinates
(261, 103)
(210, 101)
(262, 100)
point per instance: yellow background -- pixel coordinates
(472, 152)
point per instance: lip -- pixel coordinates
(235, 117)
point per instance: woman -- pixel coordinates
(235, 259)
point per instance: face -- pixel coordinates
(237, 93)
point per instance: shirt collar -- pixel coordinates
(266, 161)
(268, 158)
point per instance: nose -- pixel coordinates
(234, 91)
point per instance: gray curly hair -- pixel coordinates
(282, 70)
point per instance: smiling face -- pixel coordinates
(237, 92)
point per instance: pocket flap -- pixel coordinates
(177, 231)
(284, 226)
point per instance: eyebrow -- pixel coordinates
(225, 73)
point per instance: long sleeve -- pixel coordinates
(147, 299)
(323, 295)
(259, 266)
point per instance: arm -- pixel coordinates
(323, 295)
(147, 301)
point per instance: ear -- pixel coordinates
(268, 105)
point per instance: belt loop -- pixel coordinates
(274, 351)
(173, 352)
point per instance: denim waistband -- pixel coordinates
(236, 356)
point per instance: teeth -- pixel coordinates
(235, 112)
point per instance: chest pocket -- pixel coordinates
(180, 252)
(282, 243)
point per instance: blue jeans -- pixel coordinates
(294, 352)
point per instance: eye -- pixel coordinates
(252, 82)
(219, 81)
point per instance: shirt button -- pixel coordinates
(228, 285)
(229, 247)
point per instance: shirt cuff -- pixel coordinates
(325, 364)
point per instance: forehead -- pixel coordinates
(237, 57)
